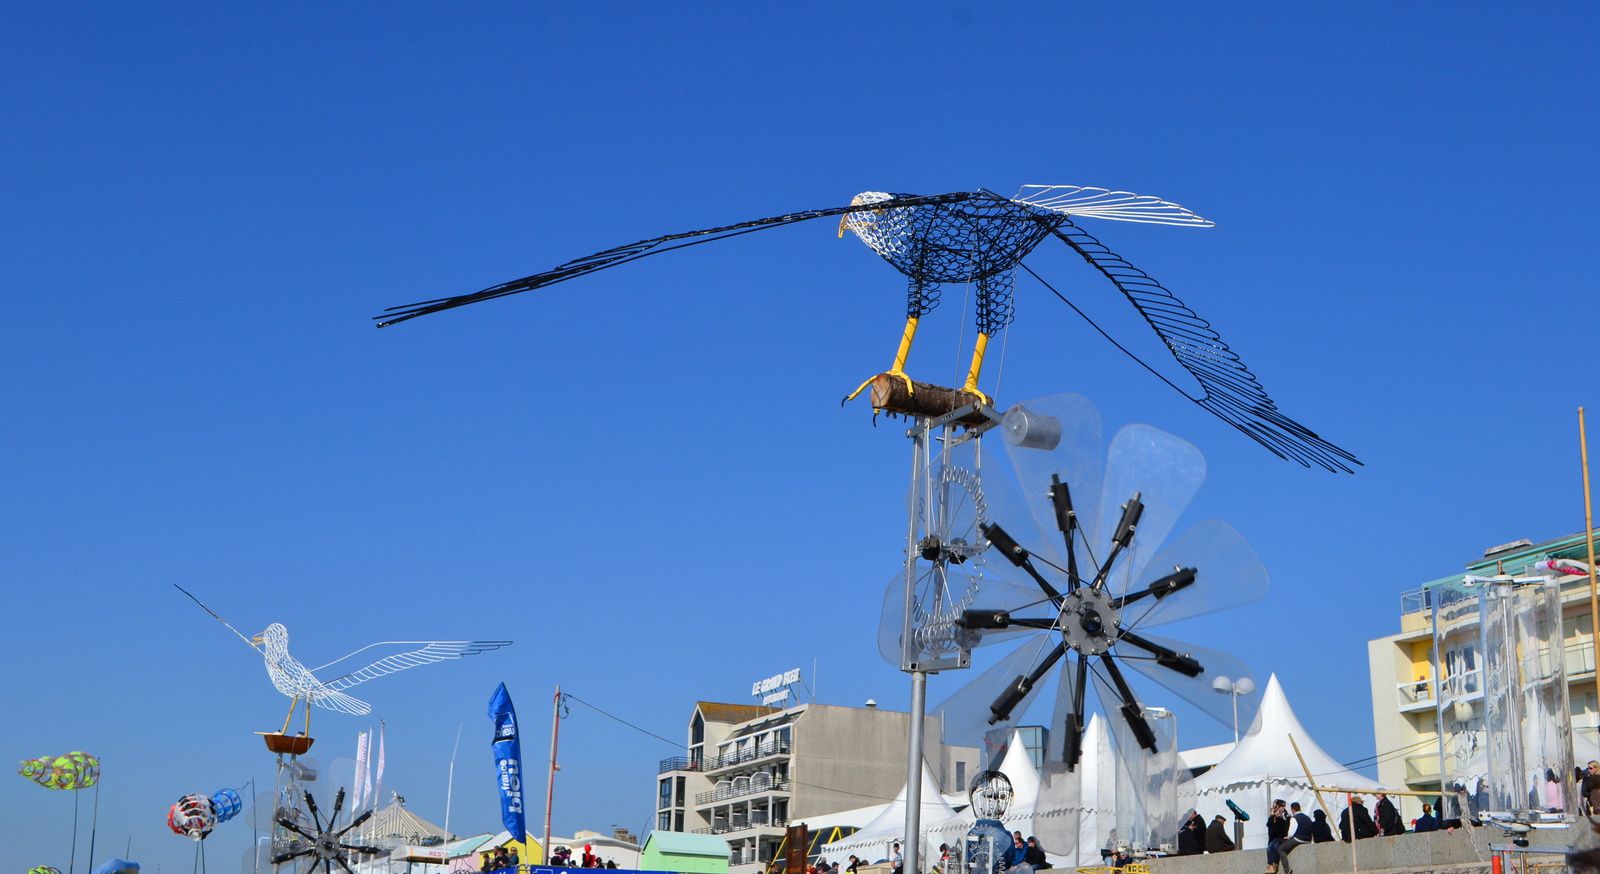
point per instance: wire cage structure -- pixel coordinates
(1504, 718)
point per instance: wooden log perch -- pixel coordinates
(928, 401)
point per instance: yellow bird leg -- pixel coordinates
(292, 702)
(306, 732)
(899, 367)
(971, 385)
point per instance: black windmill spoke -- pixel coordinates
(359, 848)
(343, 864)
(354, 823)
(1067, 522)
(1131, 711)
(1017, 555)
(1074, 744)
(285, 857)
(316, 816)
(1126, 526)
(338, 803)
(1177, 580)
(292, 826)
(1166, 657)
(327, 866)
(1019, 688)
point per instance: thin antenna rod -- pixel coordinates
(451, 788)
(253, 644)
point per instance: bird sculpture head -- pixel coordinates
(857, 221)
(275, 636)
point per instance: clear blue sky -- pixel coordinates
(645, 477)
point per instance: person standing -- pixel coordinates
(1357, 814)
(896, 859)
(1303, 834)
(1389, 821)
(1277, 831)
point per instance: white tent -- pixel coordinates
(874, 839)
(1263, 767)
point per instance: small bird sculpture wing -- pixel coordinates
(1103, 203)
(634, 251)
(428, 653)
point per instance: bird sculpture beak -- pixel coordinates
(257, 639)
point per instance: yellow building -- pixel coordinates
(1406, 671)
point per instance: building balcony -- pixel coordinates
(1416, 695)
(1580, 659)
(740, 788)
(736, 757)
(1423, 768)
(739, 825)
(678, 763)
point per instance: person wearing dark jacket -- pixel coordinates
(1034, 855)
(1191, 837)
(1389, 821)
(1364, 826)
(1217, 840)
(1277, 830)
(1321, 832)
(1426, 822)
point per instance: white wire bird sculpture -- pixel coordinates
(299, 683)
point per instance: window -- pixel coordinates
(961, 776)
(697, 730)
(664, 822)
(679, 800)
(664, 796)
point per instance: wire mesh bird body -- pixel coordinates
(981, 237)
(293, 679)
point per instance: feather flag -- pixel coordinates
(363, 748)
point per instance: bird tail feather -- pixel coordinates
(340, 702)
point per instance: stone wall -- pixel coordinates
(1455, 852)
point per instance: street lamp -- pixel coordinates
(1234, 688)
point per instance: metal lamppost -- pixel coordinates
(1242, 686)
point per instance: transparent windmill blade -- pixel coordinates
(1166, 471)
(940, 603)
(1059, 810)
(1146, 780)
(1227, 574)
(1056, 435)
(1198, 690)
(964, 716)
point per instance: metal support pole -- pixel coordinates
(550, 781)
(1588, 539)
(913, 836)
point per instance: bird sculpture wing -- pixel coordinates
(1103, 203)
(634, 251)
(428, 653)
(1230, 391)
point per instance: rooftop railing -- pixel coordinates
(738, 757)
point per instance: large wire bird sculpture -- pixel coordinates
(299, 683)
(980, 237)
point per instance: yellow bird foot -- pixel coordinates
(868, 381)
(971, 388)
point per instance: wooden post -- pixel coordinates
(930, 401)
(1588, 539)
(1309, 779)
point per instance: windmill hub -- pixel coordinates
(327, 846)
(1089, 620)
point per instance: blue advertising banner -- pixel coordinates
(508, 763)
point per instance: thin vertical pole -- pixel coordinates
(450, 787)
(550, 781)
(255, 839)
(72, 861)
(94, 823)
(913, 836)
(1588, 539)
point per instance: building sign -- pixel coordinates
(775, 689)
(433, 855)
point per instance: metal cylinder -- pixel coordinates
(1026, 428)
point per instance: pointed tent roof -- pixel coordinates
(1265, 756)
(394, 821)
(890, 823)
(1024, 777)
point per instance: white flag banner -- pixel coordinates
(363, 746)
(378, 786)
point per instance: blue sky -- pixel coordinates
(645, 477)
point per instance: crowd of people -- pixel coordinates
(507, 858)
(1289, 827)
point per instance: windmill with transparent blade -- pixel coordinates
(1072, 566)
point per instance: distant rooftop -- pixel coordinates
(715, 711)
